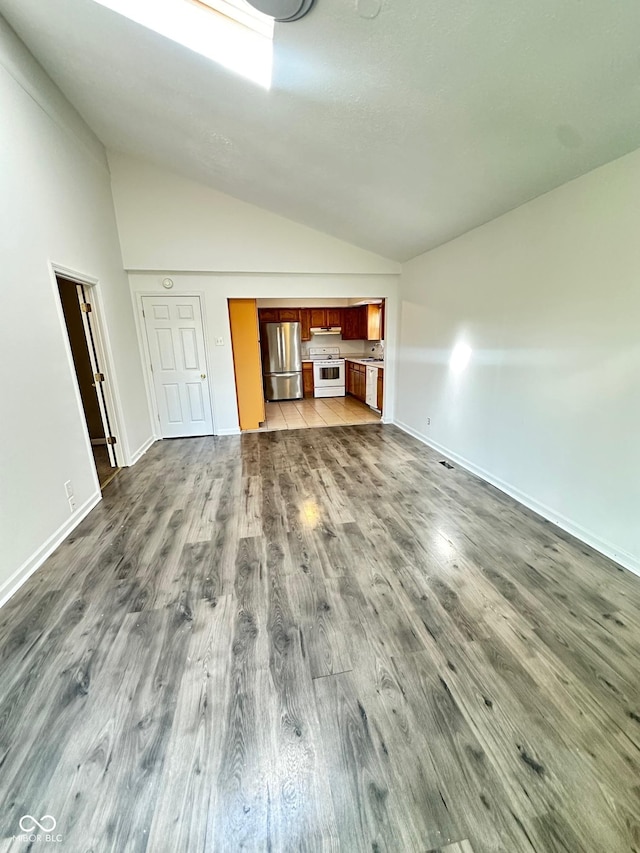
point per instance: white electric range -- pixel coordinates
(328, 372)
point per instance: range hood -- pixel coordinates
(326, 330)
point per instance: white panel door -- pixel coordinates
(176, 344)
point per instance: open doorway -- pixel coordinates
(77, 310)
(308, 362)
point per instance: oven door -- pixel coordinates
(328, 374)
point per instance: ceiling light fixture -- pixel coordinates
(283, 11)
(368, 8)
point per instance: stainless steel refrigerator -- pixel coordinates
(281, 345)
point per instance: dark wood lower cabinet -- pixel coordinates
(307, 378)
(356, 384)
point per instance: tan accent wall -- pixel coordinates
(247, 363)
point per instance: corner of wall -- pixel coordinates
(139, 453)
(19, 577)
(628, 561)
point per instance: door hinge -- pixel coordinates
(86, 307)
(98, 377)
(111, 439)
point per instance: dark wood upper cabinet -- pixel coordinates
(364, 322)
(373, 322)
(359, 323)
(289, 315)
(318, 317)
(334, 316)
(351, 324)
(305, 323)
(269, 315)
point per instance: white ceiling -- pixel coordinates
(395, 133)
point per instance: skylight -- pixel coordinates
(230, 32)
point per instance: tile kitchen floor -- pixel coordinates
(318, 412)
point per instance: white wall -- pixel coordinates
(548, 297)
(169, 223)
(216, 289)
(56, 207)
(218, 247)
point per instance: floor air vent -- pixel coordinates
(446, 464)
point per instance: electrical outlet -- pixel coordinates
(72, 503)
(68, 489)
(219, 342)
(428, 421)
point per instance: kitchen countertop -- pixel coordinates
(365, 362)
(352, 358)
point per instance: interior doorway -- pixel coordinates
(77, 310)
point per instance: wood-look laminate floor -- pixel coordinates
(320, 640)
(102, 462)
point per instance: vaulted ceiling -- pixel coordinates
(396, 132)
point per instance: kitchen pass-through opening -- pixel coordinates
(307, 363)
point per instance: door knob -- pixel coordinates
(203, 376)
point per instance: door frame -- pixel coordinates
(143, 342)
(104, 354)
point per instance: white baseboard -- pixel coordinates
(13, 584)
(618, 555)
(142, 449)
(230, 431)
